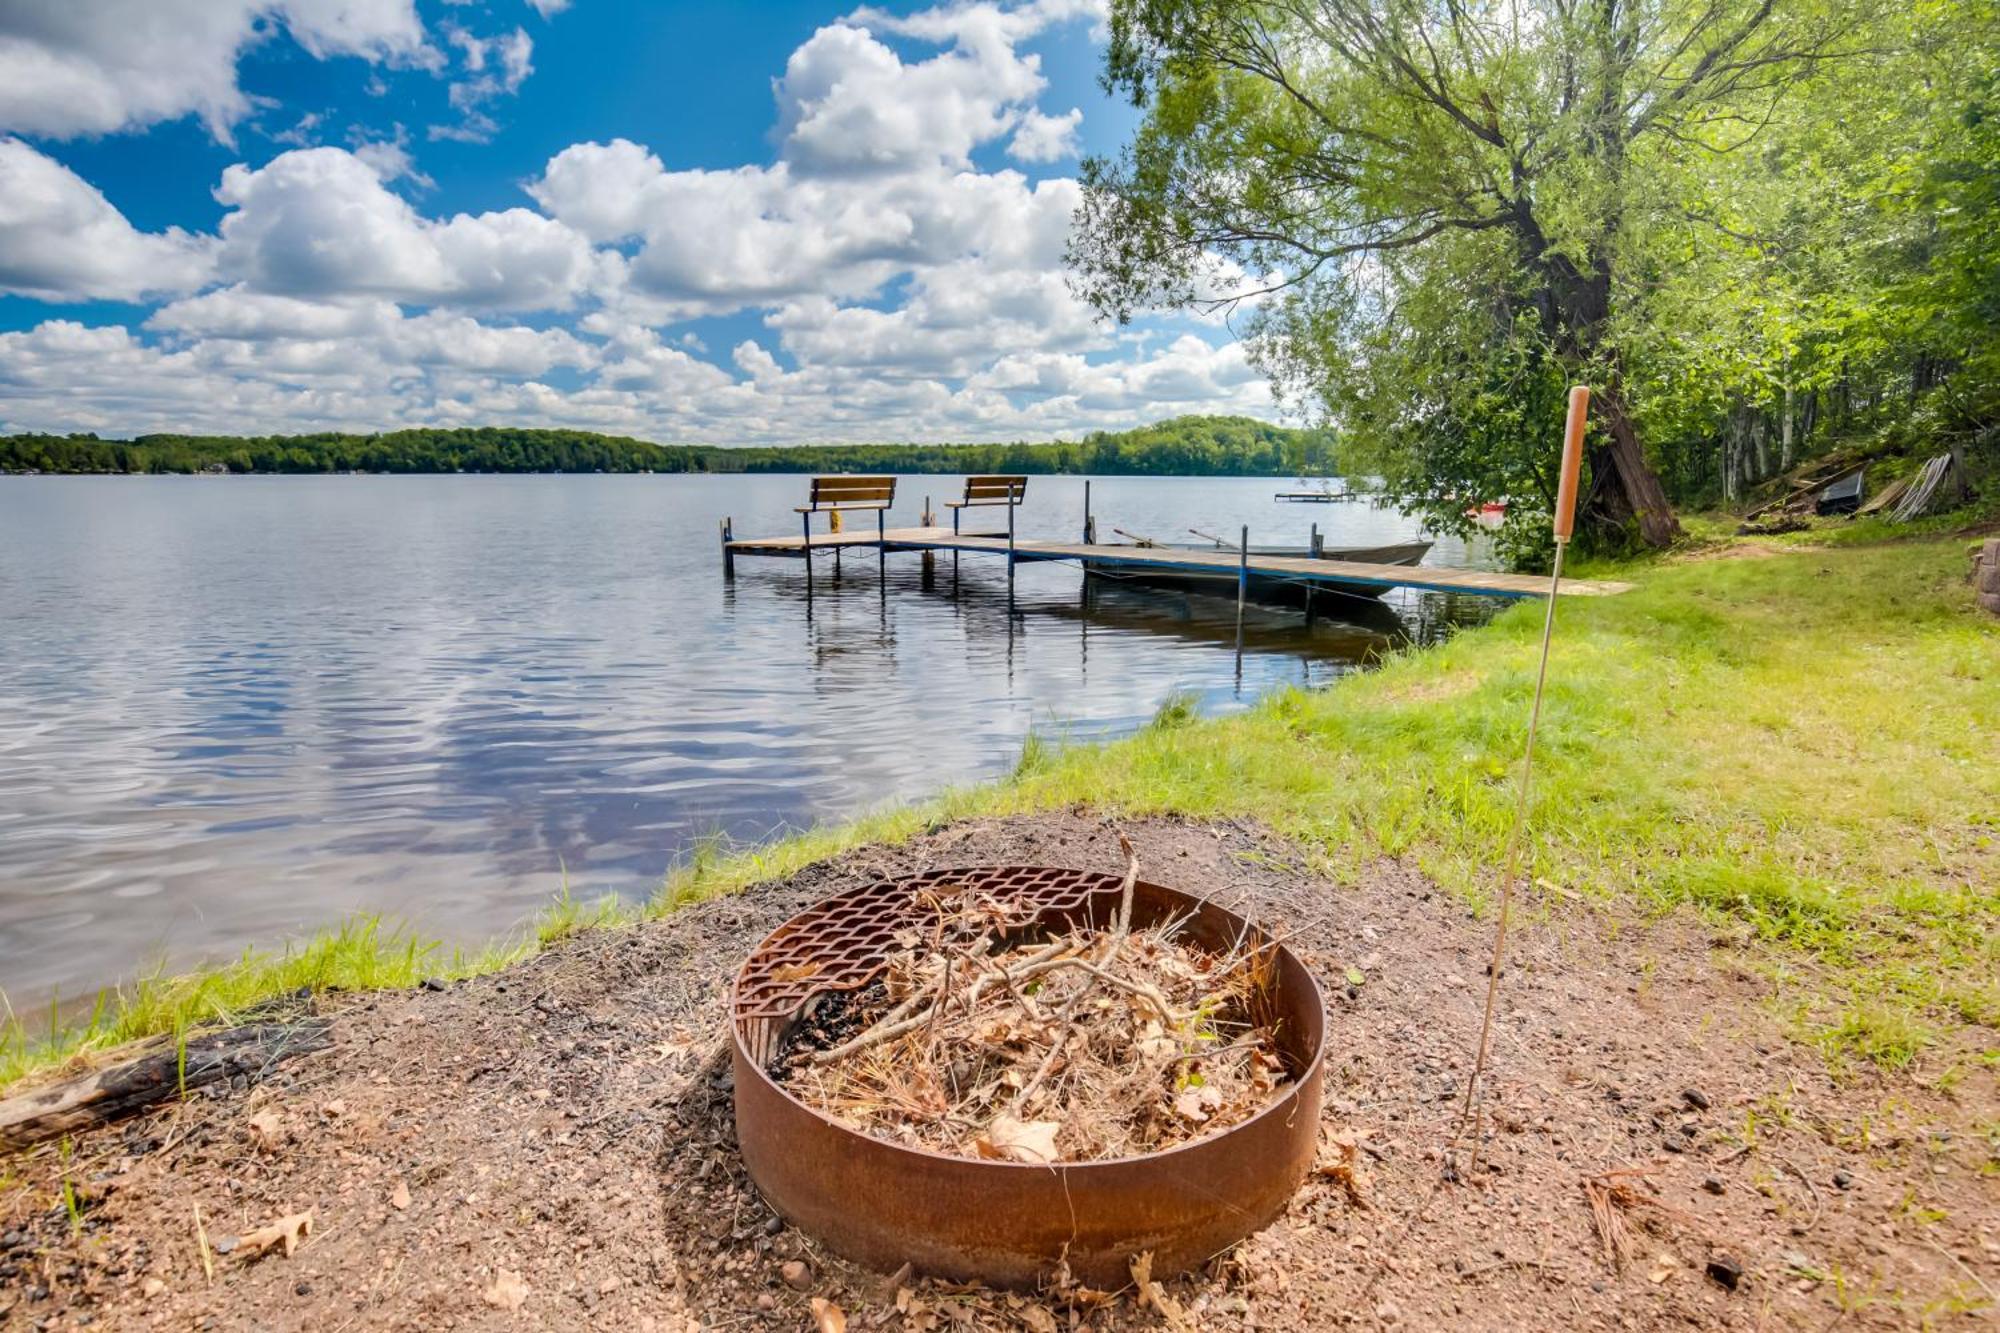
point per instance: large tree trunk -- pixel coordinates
(1576, 312)
(1644, 498)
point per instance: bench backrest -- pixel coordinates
(995, 490)
(842, 492)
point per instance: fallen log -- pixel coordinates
(163, 1070)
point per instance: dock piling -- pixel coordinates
(930, 556)
(728, 555)
(1010, 549)
(1242, 573)
(1089, 524)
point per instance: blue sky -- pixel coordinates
(728, 222)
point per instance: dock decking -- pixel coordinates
(1223, 561)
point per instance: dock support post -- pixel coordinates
(881, 547)
(930, 556)
(1010, 548)
(1088, 526)
(1242, 590)
(1318, 543)
(1242, 573)
(728, 556)
(806, 557)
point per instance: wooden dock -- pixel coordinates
(1223, 561)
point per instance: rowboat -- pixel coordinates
(1264, 588)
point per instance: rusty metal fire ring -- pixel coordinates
(883, 1204)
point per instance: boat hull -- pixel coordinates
(1264, 588)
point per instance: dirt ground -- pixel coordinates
(545, 1149)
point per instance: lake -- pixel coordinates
(236, 709)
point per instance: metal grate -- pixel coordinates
(844, 943)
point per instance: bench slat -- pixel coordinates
(851, 493)
(999, 490)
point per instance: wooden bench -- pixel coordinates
(983, 491)
(837, 495)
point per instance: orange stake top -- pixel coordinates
(1572, 464)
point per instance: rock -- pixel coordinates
(223, 1244)
(1388, 1312)
(1695, 1097)
(432, 983)
(1725, 1270)
(1713, 1184)
(774, 1226)
(766, 1301)
(1842, 1180)
(302, 1289)
(797, 1275)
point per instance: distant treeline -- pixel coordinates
(1184, 446)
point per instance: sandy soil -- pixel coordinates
(545, 1149)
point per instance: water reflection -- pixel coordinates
(235, 709)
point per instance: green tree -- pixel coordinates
(1436, 202)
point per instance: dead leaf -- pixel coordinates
(287, 1231)
(1011, 1140)
(267, 1131)
(789, 972)
(1196, 1103)
(1038, 1319)
(1152, 1294)
(1343, 1165)
(399, 1197)
(508, 1291)
(334, 1109)
(828, 1317)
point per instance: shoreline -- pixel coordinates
(1415, 759)
(550, 1145)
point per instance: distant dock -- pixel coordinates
(1243, 563)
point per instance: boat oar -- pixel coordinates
(1564, 524)
(1143, 541)
(1207, 536)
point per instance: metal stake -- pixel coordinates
(1565, 524)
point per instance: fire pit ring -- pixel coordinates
(884, 1204)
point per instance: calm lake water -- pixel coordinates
(235, 709)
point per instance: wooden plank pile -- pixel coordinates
(1798, 502)
(1903, 499)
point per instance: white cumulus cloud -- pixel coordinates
(906, 286)
(62, 240)
(70, 67)
(321, 222)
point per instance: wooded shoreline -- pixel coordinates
(1183, 446)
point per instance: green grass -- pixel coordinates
(359, 954)
(1799, 747)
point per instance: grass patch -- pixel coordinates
(1799, 747)
(359, 954)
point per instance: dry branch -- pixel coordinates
(163, 1071)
